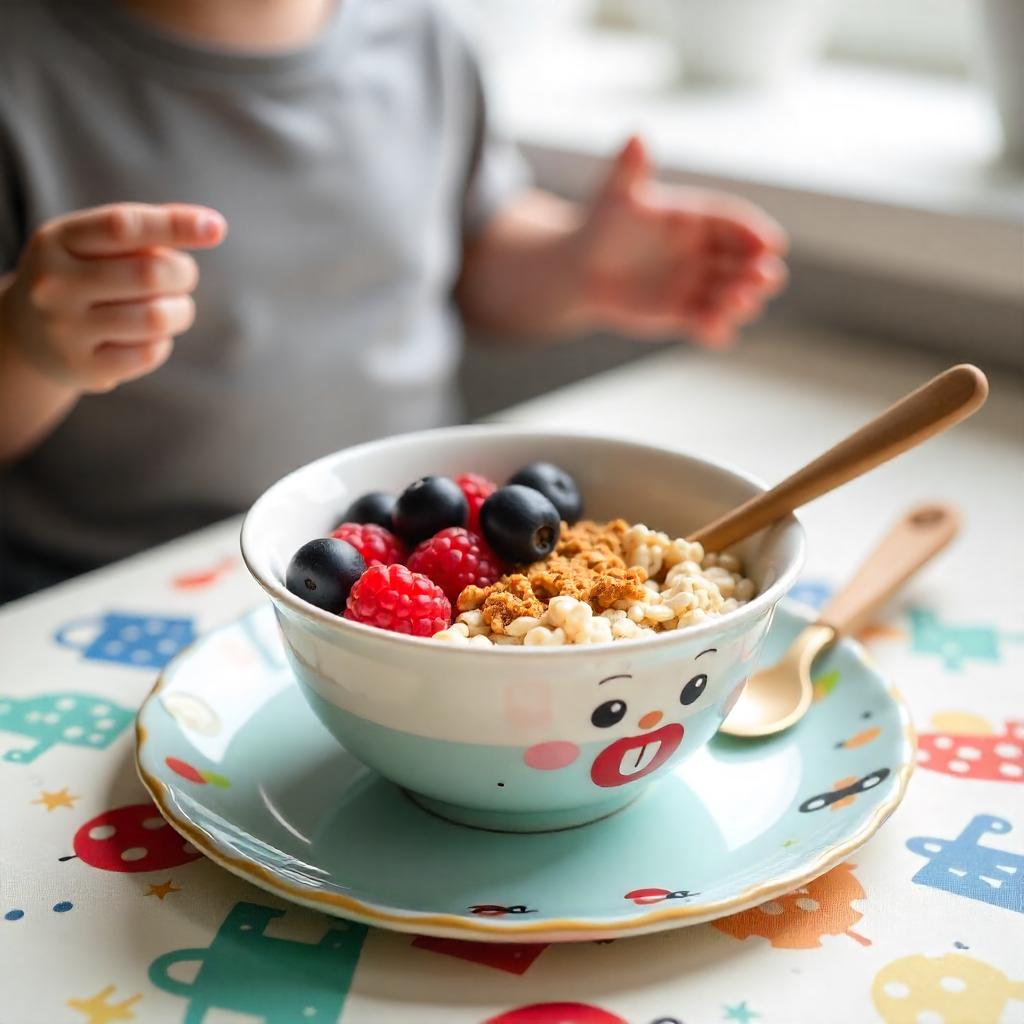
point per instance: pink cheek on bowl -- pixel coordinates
(547, 757)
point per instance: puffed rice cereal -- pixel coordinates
(603, 582)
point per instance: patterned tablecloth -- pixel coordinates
(924, 926)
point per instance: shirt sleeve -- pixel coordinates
(497, 171)
(12, 207)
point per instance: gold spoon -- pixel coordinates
(778, 696)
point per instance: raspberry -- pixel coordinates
(454, 559)
(377, 545)
(476, 488)
(392, 597)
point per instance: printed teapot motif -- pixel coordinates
(76, 719)
(963, 867)
(126, 638)
(277, 981)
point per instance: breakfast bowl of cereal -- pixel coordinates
(509, 624)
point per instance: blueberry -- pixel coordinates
(555, 484)
(519, 523)
(323, 571)
(432, 503)
(375, 507)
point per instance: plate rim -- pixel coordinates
(579, 929)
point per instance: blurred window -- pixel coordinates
(925, 35)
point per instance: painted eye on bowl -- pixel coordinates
(610, 713)
(693, 689)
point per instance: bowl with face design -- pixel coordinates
(520, 738)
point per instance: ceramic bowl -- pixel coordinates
(504, 738)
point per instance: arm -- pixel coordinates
(520, 272)
(648, 259)
(96, 300)
(31, 404)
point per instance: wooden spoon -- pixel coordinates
(777, 697)
(944, 401)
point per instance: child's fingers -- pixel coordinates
(165, 316)
(745, 230)
(112, 364)
(766, 276)
(630, 166)
(119, 278)
(718, 308)
(128, 227)
(740, 303)
(771, 274)
(714, 331)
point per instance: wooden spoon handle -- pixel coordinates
(944, 401)
(916, 538)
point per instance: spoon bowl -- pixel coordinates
(778, 696)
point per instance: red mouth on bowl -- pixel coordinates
(633, 757)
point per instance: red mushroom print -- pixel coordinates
(557, 1013)
(132, 838)
(965, 745)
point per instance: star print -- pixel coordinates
(98, 1011)
(163, 889)
(740, 1013)
(62, 798)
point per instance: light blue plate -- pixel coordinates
(238, 764)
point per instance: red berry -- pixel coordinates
(377, 545)
(392, 597)
(454, 559)
(476, 488)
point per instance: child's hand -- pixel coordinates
(657, 259)
(99, 294)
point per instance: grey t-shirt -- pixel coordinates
(349, 173)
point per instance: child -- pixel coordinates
(346, 144)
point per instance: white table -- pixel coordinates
(76, 942)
